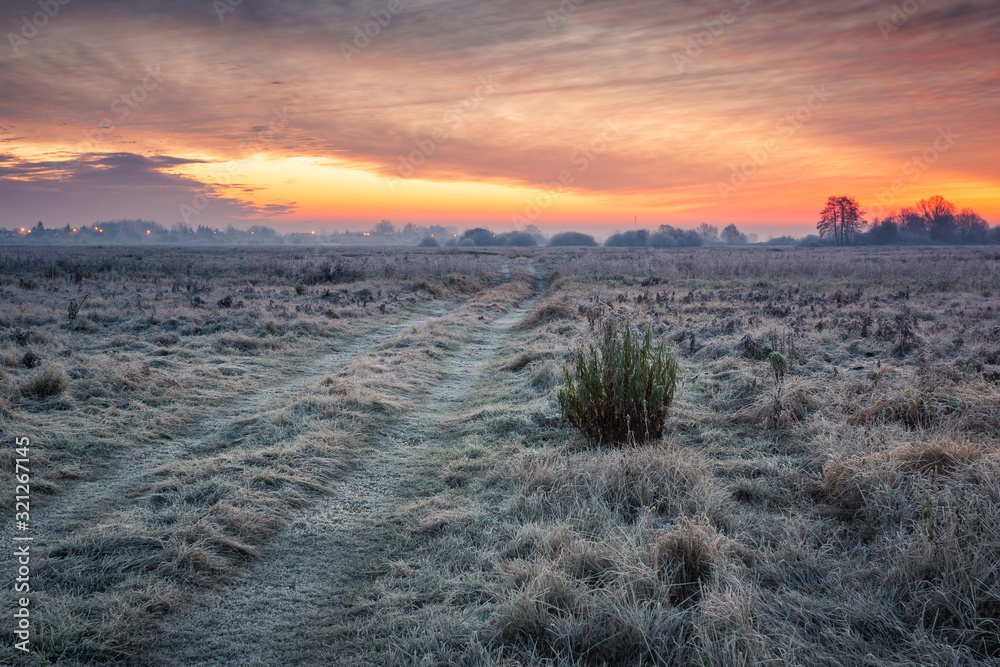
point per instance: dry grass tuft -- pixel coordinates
(927, 518)
(10, 357)
(519, 362)
(50, 382)
(8, 393)
(549, 311)
(855, 482)
(934, 457)
(973, 406)
(685, 555)
(525, 359)
(628, 485)
(622, 600)
(779, 408)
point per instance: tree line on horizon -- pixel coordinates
(666, 236)
(932, 220)
(147, 231)
(842, 222)
(137, 231)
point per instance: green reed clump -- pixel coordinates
(621, 389)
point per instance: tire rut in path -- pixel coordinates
(92, 500)
(277, 612)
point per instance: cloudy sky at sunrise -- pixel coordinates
(315, 115)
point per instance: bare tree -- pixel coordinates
(910, 221)
(709, 233)
(384, 228)
(733, 236)
(841, 219)
(852, 218)
(971, 227)
(939, 216)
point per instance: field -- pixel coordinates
(284, 456)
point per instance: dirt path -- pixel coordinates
(278, 613)
(90, 501)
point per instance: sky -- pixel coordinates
(566, 114)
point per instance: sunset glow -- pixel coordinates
(576, 115)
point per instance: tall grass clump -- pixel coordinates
(50, 382)
(622, 389)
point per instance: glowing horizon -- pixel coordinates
(572, 115)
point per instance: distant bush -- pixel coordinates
(637, 238)
(685, 238)
(665, 237)
(662, 240)
(813, 241)
(621, 392)
(517, 239)
(565, 239)
(429, 242)
(478, 236)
